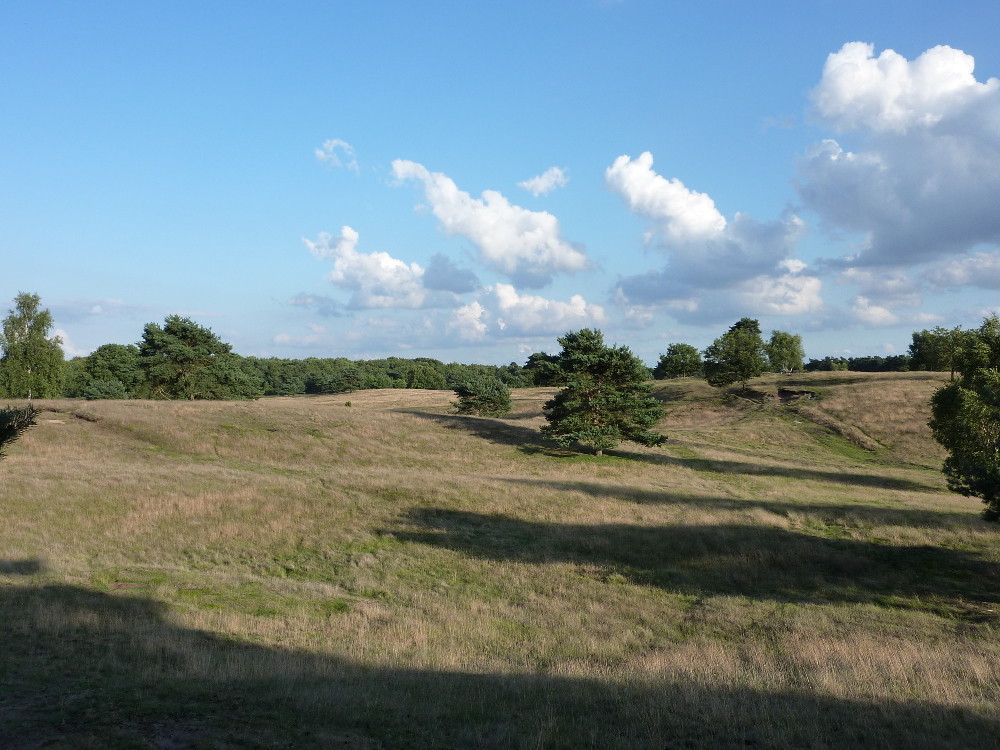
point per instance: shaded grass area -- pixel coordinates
(120, 673)
(754, 561)
(292, 573)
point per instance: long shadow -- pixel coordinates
(894, 516)
(759, 562)
(529, 440)
(721, 466)
(494, 430)
(21, 567)
(81, 668)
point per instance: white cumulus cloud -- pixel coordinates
(788, 294)
(682, 214)
(891, 93)
(525, 245)
(375, 279)
(923, 181)
(710, 257)
(546, 182)
(871, 314)
(467, 322)
(524, 313)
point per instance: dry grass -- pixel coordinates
(296, 572)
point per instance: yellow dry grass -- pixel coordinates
(390, 574)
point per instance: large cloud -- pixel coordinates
(376, 279)
(925, 180)
(742, 259)
(525, 245)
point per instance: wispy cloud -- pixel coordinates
(338, 153)
(546, 182)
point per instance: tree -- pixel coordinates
(183, 360)
(487, 397)
(736, 356)
(543, 369)
(936, 350)
(13, 423)
(785, 352)
(966, 418)
(110, 371)
(31, 366)
(605, 398)
(680, 361)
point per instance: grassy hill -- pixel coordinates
(787, 571)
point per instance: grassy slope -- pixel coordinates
(296, 572)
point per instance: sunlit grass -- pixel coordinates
(297, 571)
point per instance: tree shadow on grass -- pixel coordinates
(531, 441)
(83, 668)
(21, 567)
(860, 511)
(759, 562)
(722, 466)
(494, 430)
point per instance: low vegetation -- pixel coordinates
(787, 570)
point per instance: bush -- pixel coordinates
(104, 389)
(13, 423)
(484, 397)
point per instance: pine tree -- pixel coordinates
(183, 360)
(605, 398)
(487, 397)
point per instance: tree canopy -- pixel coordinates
(605, 398)
(966, 418)
(936, 349)
(785, 352)
(31, 366)
(679, 361)
(736, 356)
(487, 397)
(183, 360)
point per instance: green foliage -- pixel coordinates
(680, 361)
(13, 423)
(543, 369)
(32, 363)
(937, 350)
(421, 375)
(785, 352)
(966, 418)
(736, 356)
(183, 360)
(104, 389)
(487, 397)
(74, 377)
(605, 398)
(828, 364)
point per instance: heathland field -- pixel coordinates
(308, 572)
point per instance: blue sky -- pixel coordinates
(468, 181)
